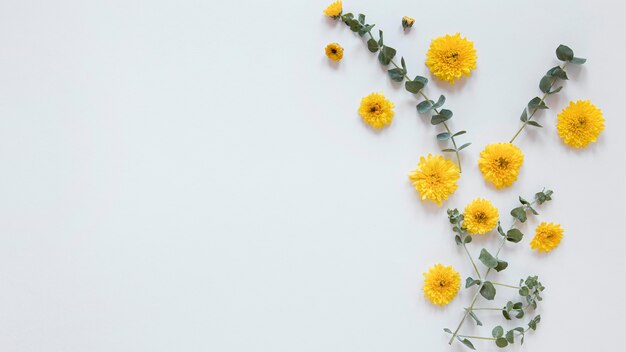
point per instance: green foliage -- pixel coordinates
(486, 258)
(543, 196)
(415, 86)
(564, 53)
(488, 291)
(519, 213)
(514, 235)
(372, 45)
(469, 282)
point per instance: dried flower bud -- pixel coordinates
(407, 22)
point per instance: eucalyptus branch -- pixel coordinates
(415, 86)
(531, 288)
(565, 54)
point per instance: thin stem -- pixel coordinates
(471, 260)
(486, 308)
(475, 337)
(535, 109)
(499, 284)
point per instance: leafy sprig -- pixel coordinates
(546, 84)
(529, 289)
(399, 73)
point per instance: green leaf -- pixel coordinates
(524, 116)
(466, 342)
(415, 86)
(447, 330)
(545, 84)
(372, 46)
(500, 231)
(346, 18)
(362, 18)
(386, 54)
(564, 53)
(519, 213)
(467, 239)
(510, 336)
(444, 136)
(514, 235)
(444, 115)
(557, 71)
(439, 102)
(578, 60)
(354, 25)
(402, 63)
(469, 282)
(555, 90)
(533, 323)
(536, 103)
(523, 201)
(501, 265)
(506, 315)
(425, 106)
(498, 331)
(478, 322)
(523, 291)
(488, 290)
(464, 146)
(543, 196)
(457, 239)
(534, 123)
(459, 133)
(448, 150)
(501, 342)
(365, 29)
(486, 258)
(380, 37)
(397, 74)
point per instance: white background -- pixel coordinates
(193, 175)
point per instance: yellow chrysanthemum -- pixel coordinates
(480, 216)
(580, 123)
(334, 51)
(376, 110)
(500, 163)
(450, 57)
(441, 284)
(435, 178)
(334, 10)
(547, 237)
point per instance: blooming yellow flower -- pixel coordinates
(376, 110)
(580, 123)
(500, 163)
(334, 10)
(547, 237)
(435, 178)
(480, 216)
(450, 57)
(334, 51)
(441, 284)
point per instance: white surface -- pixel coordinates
(193, 176)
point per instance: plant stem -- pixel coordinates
(510, 286)
(535, 109)
(471, 260)
(445, 125)
(486, 308)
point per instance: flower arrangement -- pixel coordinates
(450, 58)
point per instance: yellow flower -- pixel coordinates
(480, 216)
(376, 110)
(580, 124)
(407, 22)
(334, 51)
(441, 284)
(435, 178)
(450, 57)
(334, 10)
(500, 163)
(547, 237)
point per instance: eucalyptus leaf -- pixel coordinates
(488, 290)
(466, 342)
(545, 84)
(397, 74)
(372, 45)
(578, 60)
(510, 336)
(501, 342)
(501, 265)
(416, 85)
(464, 146)
(473, 315)
(439, 102)
(514, 235)
(534, 123)
(444, 136)
(448, 150)
(524, 116)
(564, 53)
(519, 213)
(498, 331)
(536, 103)
(459, 133)
(486, 258)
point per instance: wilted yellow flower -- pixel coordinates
(450, 57)
(547, 237)
(376, 110)
(407, 22)
(334, 51)
(441, 284)
(500, 163)
(334, 10)
(480, 216)
(580, 123)
(435, 178)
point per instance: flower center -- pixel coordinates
(442, 283)
(453, 56)
(333, 50)
(582, 121)
(480, 216)
(375, 108)
(502, 163)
